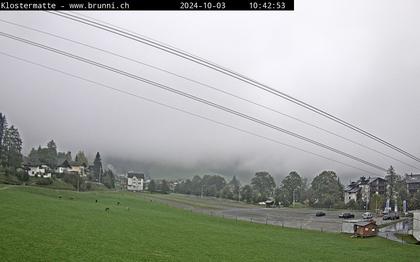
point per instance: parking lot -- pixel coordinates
(304, 218)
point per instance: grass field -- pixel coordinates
(37, 225)
(195, 202)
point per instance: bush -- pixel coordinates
(44, 181)
(21, 175)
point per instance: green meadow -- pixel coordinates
(41, 224)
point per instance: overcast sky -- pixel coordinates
(358, 60)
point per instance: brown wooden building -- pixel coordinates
(365, 229)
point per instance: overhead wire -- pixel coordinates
(182, 110)
(192, 97)
(211, 87)
(231, 73)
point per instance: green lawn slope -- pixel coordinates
(39, 224)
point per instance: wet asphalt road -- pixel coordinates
(304, 218)
(288, 217)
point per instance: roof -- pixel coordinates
(64, 164)
(74, 163)
(373, 179)
(131, 174)
(413, 178)
(354, 189)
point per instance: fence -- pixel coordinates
(285, 222)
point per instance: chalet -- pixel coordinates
(76, 168)
(135, 181)
(63, 167)
(377, 185)
(365, 229)
(71, 167)
(364, 188)
(39, 171)
(413, 183)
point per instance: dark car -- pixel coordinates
(320, 214)
(346, 215)
(391, 216)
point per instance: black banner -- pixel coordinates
(146, 5)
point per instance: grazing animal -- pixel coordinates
(96, 200)
(118, 203)
(59, 196)
(107, 209)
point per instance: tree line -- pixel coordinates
(12, 159)
(324, 191)
(209, 185)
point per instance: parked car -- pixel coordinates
(320, 214)
(367, 215)
(391, 216)
(346, 215)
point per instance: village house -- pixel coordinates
(72, 167)
(76, 168)
(39, 171)
(135, 181)
(63, 167)
(377, 185)
(413, 183)
(350, 192)
(363, 188)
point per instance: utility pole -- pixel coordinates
(293, 198)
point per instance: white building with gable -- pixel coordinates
(135, 181)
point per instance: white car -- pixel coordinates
(367, 215)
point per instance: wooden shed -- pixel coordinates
(365, 229)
